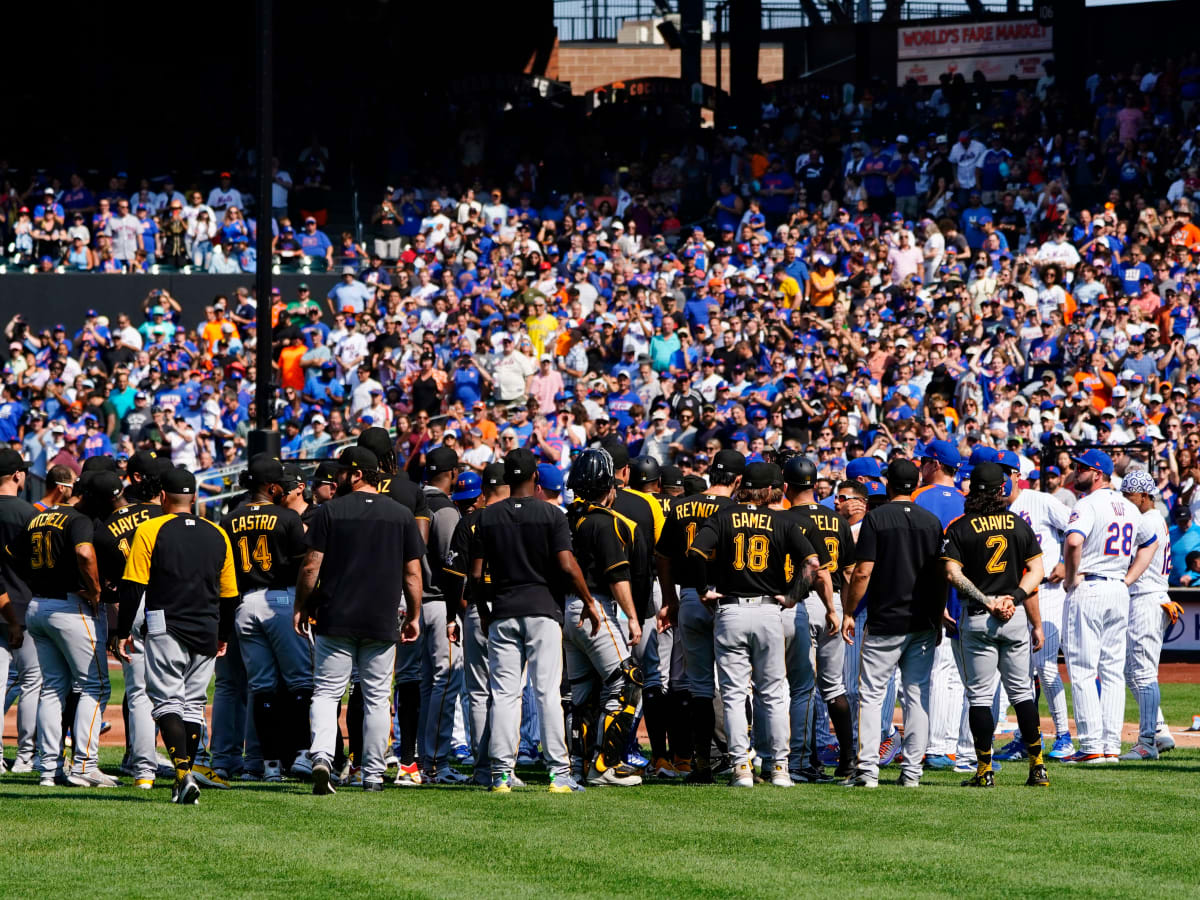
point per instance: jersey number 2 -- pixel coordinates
(998, 544)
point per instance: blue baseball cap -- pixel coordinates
(1052, 470)
(1095, 459)
(943, 452)
(549, 477)
(864, 467)
(1009, 460)
(875, 488)
(467, 486)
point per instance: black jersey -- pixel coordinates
(993, 550)
(405, 492)
(443, 519)
(907, 590)
(646, 513)
(519, 539)
(113, 538)
(456, 563)
(602, 539)
(751, 551)
(687, 516)
(15, 514)
(44, 553)
(268, 543)
(830, 534)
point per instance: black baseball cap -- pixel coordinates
(11, 461)
(359, 458)
(760, 475)
(102, 484)
(729, 461)
(293, 476)
(178, 481)
(670, 476)
(143, 462)
(694, 484)
(617, 450)
(987, 477)
(493, 474)
(440, 459)
(519, 466)
(326, 473)
(377, 440)
(264, 468)
(99, 464)
(903, 476)
(1181, 513)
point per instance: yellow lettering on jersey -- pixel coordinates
(128, 523)
(694, 509)
(987, 524)
(48, 519)
(257, 522)
(754, 520)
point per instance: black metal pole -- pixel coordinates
(263, 439)
(718, 10)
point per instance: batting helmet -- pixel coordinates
(643, 470)
(592, 474)
(468, 486)
(800, 472)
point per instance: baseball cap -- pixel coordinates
(549, 477)
(1139, 481)
(326, 473)
(101, 485)
(264, 468)
(902, 475)
(359, 458)
(670, 476)
(1007, 459)
(942, 452)
(729, 461)
(618, 451)
(519, 466)
(467, 486)
(865, 467)
(986, 477)
(143, 462)
(493, 474)
(1095, 459)
(376, 440)
(759, 475)
(103, 463)
(11, 461)
(1181, 513)
(440, 459)
(178, 481)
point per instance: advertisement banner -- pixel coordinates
(1026, 67)
(973, 39)
(1185, 634)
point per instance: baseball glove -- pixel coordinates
(1173, 610)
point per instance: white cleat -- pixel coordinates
(780, 777)
(92, 778)
(612, 778)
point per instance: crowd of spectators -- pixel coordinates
(1020, 273)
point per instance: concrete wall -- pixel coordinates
(587, 65)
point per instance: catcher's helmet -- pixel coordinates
(591, 474)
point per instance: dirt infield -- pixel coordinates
(1176, 673)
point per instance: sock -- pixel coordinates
(1031, 729)
(298, 724)
(704, 723)
(266, 725)
(339, 746)
(408, 706)
(982, 724)
(175, 738)
(125, 719)
(354, 724)
(654, 711)
(843, 727)
(193, 740)
(68, 715)
(679, 729)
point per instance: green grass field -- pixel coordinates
(1096, 832)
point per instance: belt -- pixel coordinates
(51, 597)
(1096, 577)
(748, 601)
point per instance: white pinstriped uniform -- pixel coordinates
(1147, 625)
(1098, 615)
(1048, 516)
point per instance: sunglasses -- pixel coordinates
(846, 498)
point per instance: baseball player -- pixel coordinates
(441, 658)
(1151, 611)
(1105, 535)
(994, 562)
(366, 552)
(758, 561)
(15, 514)
(683, 586)
(268, 542)
(606, 684)
(830, 534)
(897, 556)
(181, 570)
(55, 557)
(395, 483)
(673, 666)
(523, 544)
(1048, 516)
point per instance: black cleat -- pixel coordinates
(981, 779)
(700, 776)
(321, 776)
(186, 792)
(374, 787)
(1038, 777)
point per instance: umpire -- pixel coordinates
(366, 552)
(522, 542)
(897, 568)
(184, 566)
(994, 561)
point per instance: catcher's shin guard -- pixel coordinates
(618, 724)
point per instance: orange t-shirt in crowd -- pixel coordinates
(290, 373)
(821, 288)
(1099, 387)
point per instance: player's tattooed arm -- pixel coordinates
(1000, 606)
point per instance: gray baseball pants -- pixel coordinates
(882, 654)
(594, 657)
(538, 641)
(336, 657)
(177, 678)
(991, 646)
(750, 650)
(479, 697)
(850, 669)
(273, 655)
(142, 737)
(23, 665)
(441, 683)
(70, 642)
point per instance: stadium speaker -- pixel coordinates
(670, 34)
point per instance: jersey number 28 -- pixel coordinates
(1122, 533)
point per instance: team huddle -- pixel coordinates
(756, 633)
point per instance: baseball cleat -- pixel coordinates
(1011, 751)
(499, 789)
(681, 765)
(373, 787)
(446, 775)
(810, 775)
(22, 766)
(908, 781)
(462, 753)
(939, 761)
(1163, 742)
(321, 771)
(981, 780)
(1038, 777)
(969, 766)
(272, 771)
(209, 778)
(1138, 753)
(636, 760)
(55, 779)
(186, 792)
(221, 773)
(409, 775)
(723, 766)
(1094, 759)
(661, 768)
(612, 778)
(563, 784)
(105, 727)
(92, 778)
(354, 777)
(250, 776)
(780, 777)
(302, 767)
(528, 757)
(1063, 747)
(143, 784)
(889, 750)
(830, 755)
(743, 777)
(699, 776)
(391, 761)
(861, 781)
